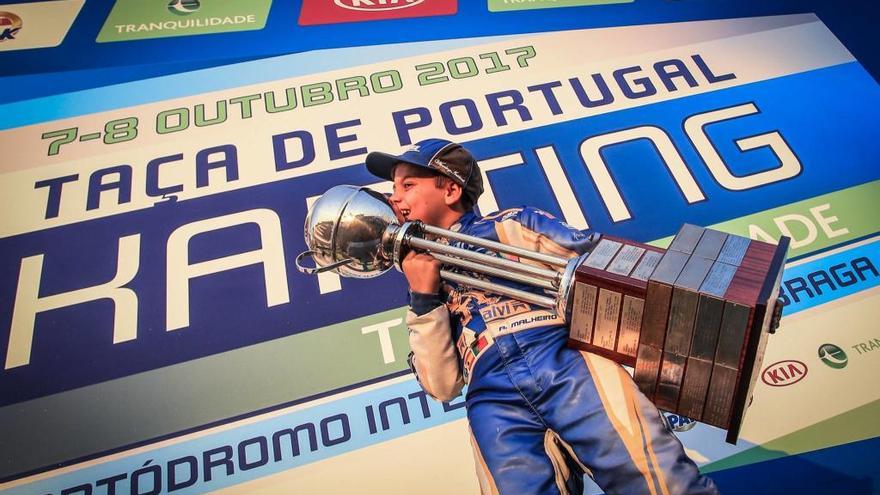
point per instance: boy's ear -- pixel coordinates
(452, 193)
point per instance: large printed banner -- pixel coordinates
(156, 337)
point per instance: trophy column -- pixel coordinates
(692, 319)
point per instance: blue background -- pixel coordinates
(82, 63)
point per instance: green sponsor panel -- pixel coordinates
(148, 405)
(813, 224)
(858, 424)
(145, 19)
(505, 5)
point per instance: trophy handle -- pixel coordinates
(317, 269)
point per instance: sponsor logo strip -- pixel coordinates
(336, 11)
(145, 19)
(505, 5)
(37, 24)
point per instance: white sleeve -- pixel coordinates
(434, 357)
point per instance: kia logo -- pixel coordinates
(373, 5)
(784, 373)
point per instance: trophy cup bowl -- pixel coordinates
(344, 233)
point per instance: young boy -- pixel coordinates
(540, 414)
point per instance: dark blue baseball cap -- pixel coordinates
(439, 155)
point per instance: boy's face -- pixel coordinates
(417, 197)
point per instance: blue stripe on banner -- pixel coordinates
(78, 339)
(832, 277)
(252, 451)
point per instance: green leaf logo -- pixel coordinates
(183, 7)
(833, 356)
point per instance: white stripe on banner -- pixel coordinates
(545, 71)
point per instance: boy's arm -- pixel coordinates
(434, 358)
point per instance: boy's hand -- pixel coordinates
(422, 272)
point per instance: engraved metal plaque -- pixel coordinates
(710, 244)
(718, 279)
(583, 312)
(647, 265)
(686, 239)
(602, 254)
(626, 260)
(734, 249)
(669, 267)
(630, 325)
(607, 318)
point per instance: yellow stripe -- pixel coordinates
(650, 444)
(513, 233)
(502, 234)
(510, 233)
(573, 456)
(611, 387)
(557, 459)
(545, 244)
(487, 482)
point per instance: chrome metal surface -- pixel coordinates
(399, 243)
(520, 295)
(494, 272)
(348, 222)
(498, 247)
(436, 247)
(311, 270)
(566, 283)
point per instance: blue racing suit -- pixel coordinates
(540, 414)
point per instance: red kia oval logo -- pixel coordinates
(373, 5)
(784, 373)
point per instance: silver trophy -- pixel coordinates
(693, 319)
(353, 231)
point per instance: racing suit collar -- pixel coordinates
(464, 221)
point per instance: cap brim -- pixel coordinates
(381, 164)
